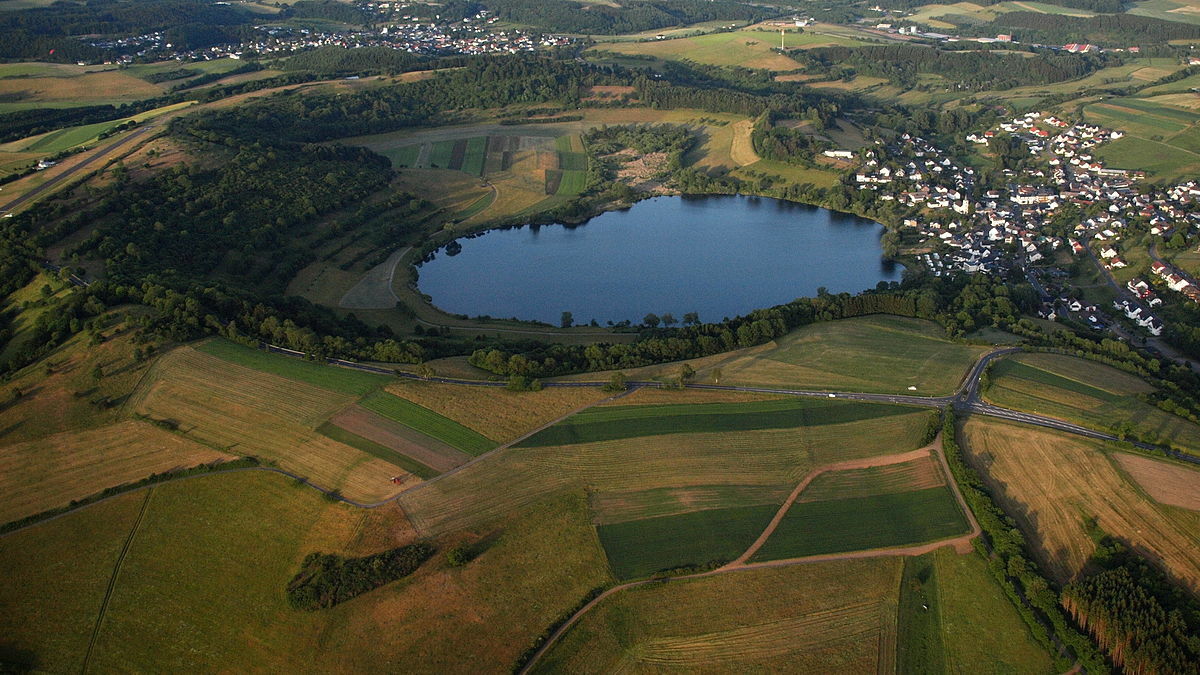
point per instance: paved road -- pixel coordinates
(97, 155)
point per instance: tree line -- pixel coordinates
(973, 70)
(325, 579)
(1116, 30)
(622, 16)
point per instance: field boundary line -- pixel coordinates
(112, 581)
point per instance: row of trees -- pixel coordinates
(325, 579)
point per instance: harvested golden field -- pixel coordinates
(50, 472)
(823, 617)
(497, 413)
(249, 412)
(507, 480)
(1054, 482)
(1167, 483)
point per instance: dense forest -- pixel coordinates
(33, 33)
(1145, 623)
(784, 144)
(343, 61)
(976, 71)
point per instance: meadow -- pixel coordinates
(748, 49)
(771, 457)
(1165, 482)
(831, 616)
(1086, 393)
(880, 353)
(1055, 484)
(1163, 136)
(858, 523)
(620, 422)
(428, 422)
(379, 450)
(213, 555)
(639, 548)
(622, 506)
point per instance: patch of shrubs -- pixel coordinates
(325, 579)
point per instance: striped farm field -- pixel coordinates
(249, 412)
(400, 439)
(428, 422)
(384, 452)
(328, 377)
(823, 617)
(1055, 483)
(639, 548)
(475, 154)
(507, 481)
(859, 523)
(43, 474)
(618, 422)
(495, 412)
(916, 474)
(1086, 393)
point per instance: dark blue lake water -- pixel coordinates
(719, 256)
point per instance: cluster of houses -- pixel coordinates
(996, 230)
(472, 35)
(1175, 280)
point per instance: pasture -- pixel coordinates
(618, 507)
(507, 480)
(213, 555)
(332, 378)
(1086, 393)
(860, 523)
(248, 412)
(748, 49)
(879, 353)
(620, 422)
(87, 88)
(1163, 133)
(1185, 11)
(639, 548)
(1053, 483)
(428, 422)
(494, 412)
(832, 616)
(916, 474)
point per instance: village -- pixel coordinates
(393, 30)
(1027, 224)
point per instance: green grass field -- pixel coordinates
(476, 154)
(573, 183)
(428, 422)
(476, 206)
(439, 154)
(374, 449)
(619, 422)
(65, 139)
(402, 157)
(639, 548)
(858, 523)
(1184, 11)
(919, 647)
(327, 377)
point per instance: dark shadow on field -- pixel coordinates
(4, 432)
(17, 660)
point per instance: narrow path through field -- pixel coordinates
(961, 543)
(866, 463)
(112, 581)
